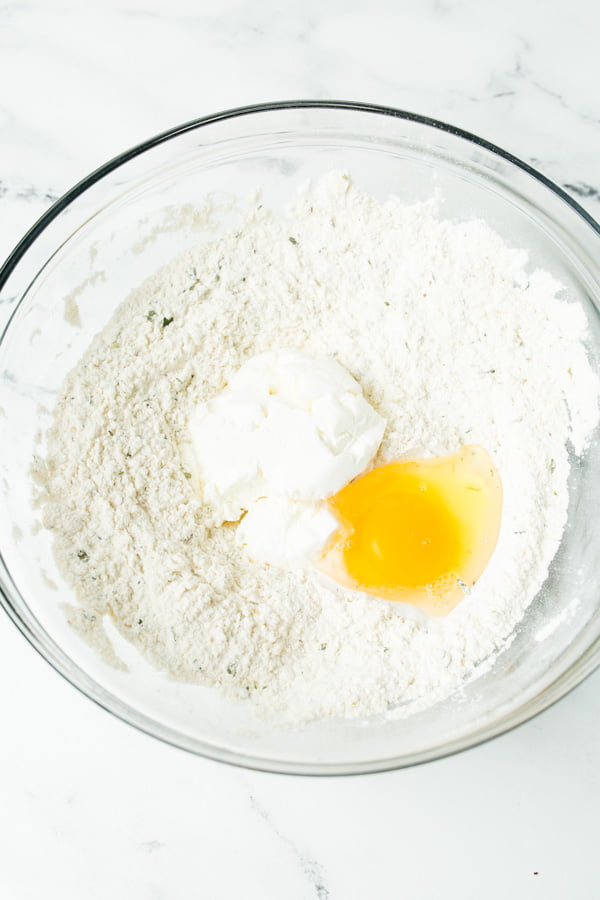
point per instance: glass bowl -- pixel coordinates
(117, 226)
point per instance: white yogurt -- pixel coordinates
(290, 429)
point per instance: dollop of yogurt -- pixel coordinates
(289, 431)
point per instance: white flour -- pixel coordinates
(452, 340)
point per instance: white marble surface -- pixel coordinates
(89, 808)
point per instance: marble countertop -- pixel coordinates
(92, 808)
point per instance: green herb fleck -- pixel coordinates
(166, 322)
(110, 432)
(292, 240)
(231, 669)
(552, 465)
(490, 371)
(82, 555)
(188, 474)
(121, 472)
(324, 646)
(150, 314)
(386, 649)
(193, 274)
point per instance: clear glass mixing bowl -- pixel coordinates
(123, 221)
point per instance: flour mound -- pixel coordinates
(453, 341)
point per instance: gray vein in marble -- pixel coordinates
(27, 193)
(585, 117)
(28, 390)
(311, 869)
(151, 847)
(583, 190)
(496, 95)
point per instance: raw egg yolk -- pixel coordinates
(420, 531)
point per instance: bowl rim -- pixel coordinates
(235, 112)
(563, 684)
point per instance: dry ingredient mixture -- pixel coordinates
(454, 341)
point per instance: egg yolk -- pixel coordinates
(420, 531)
